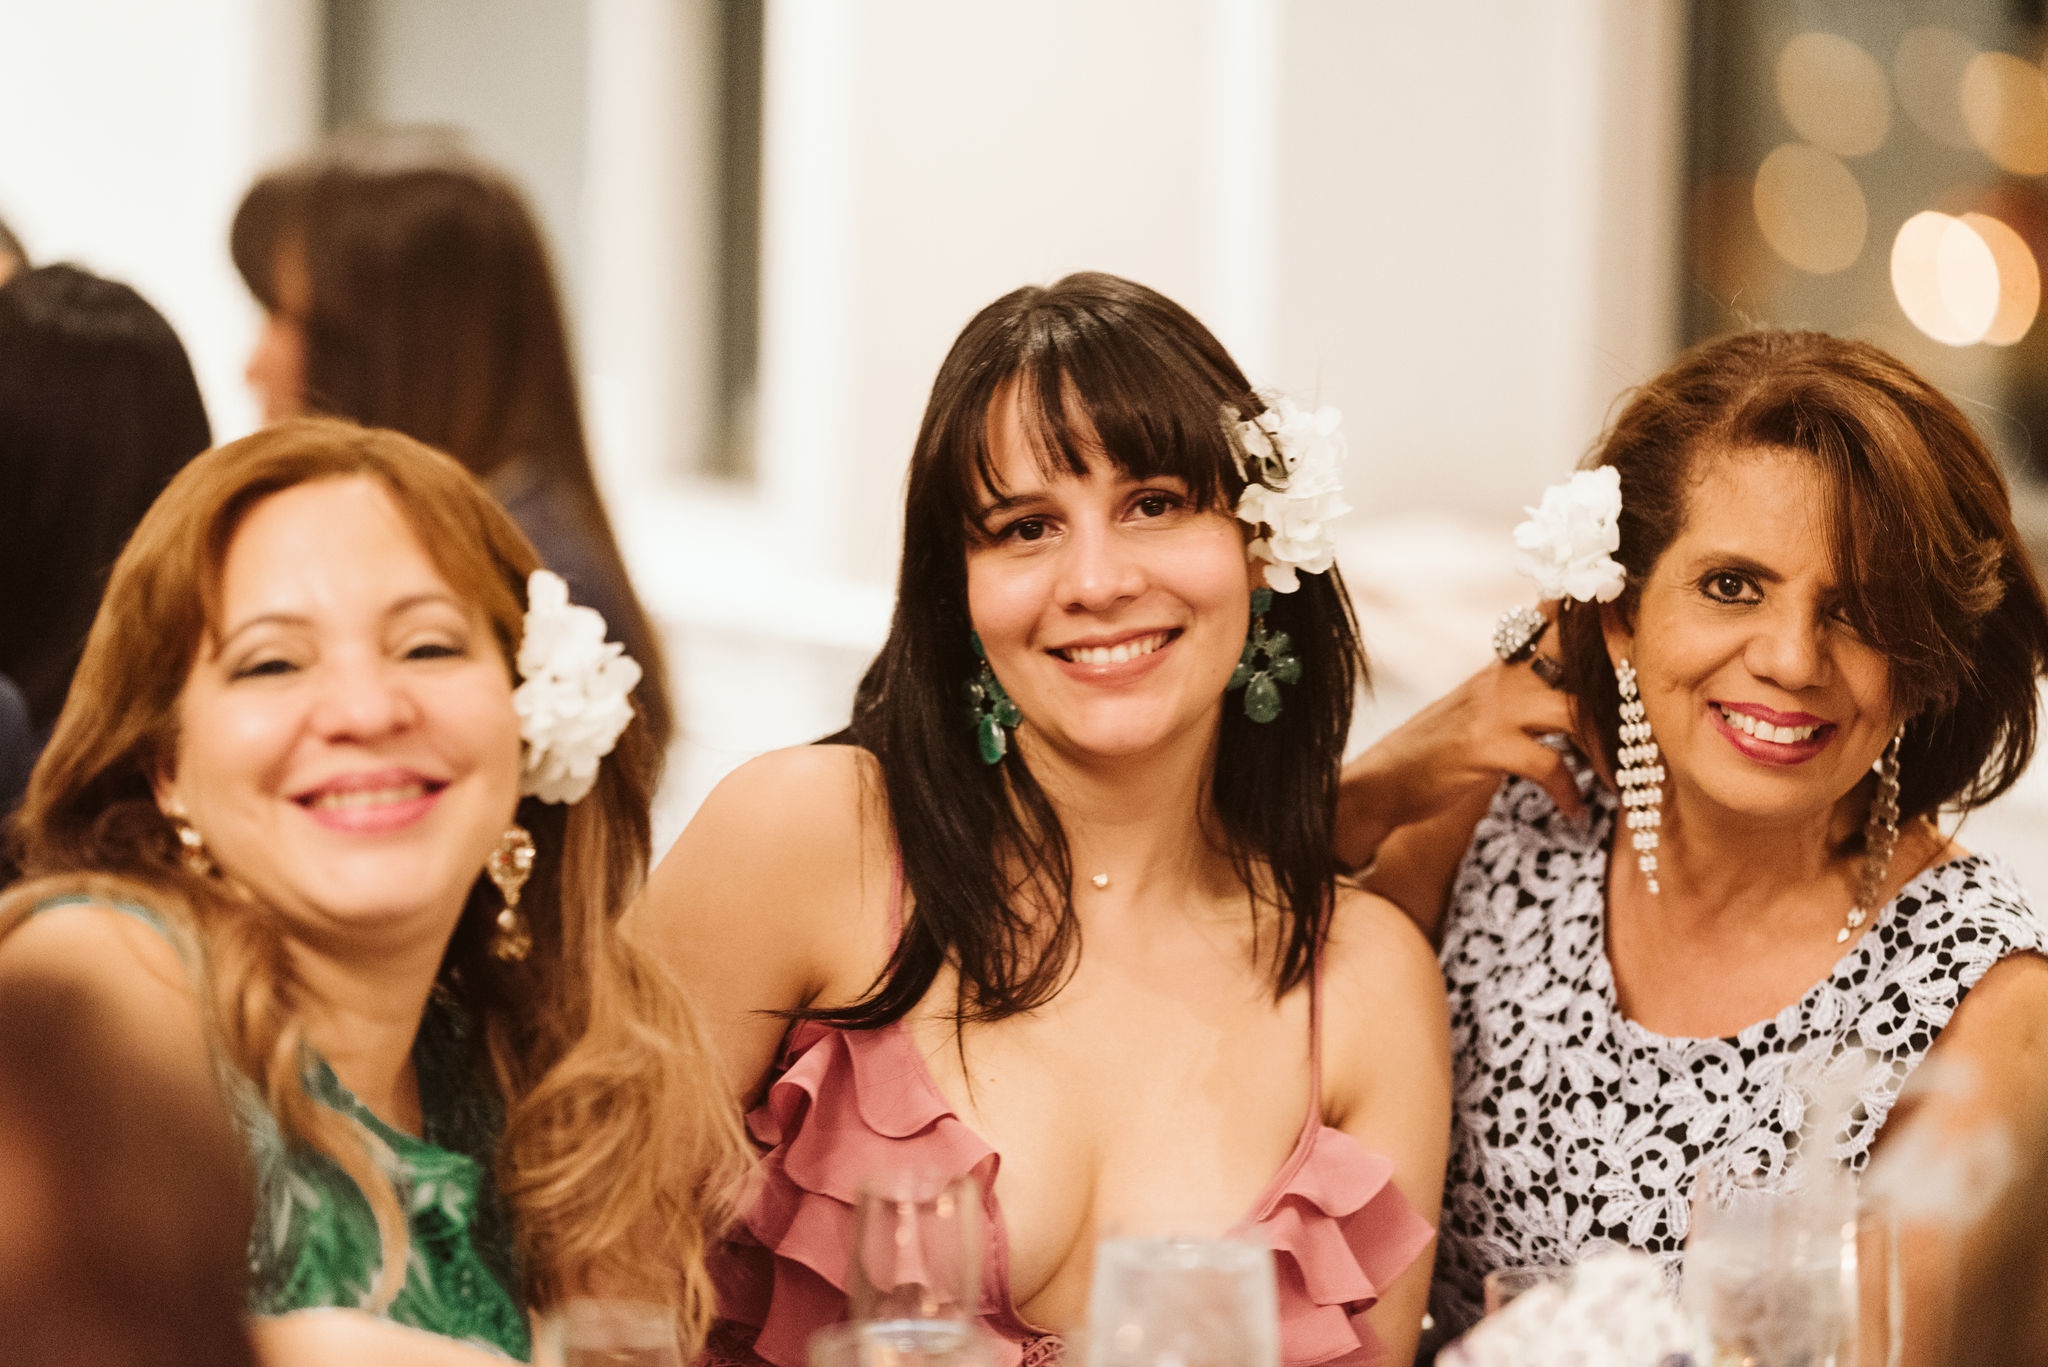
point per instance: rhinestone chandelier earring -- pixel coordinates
(1642, 775)
(1880, 836)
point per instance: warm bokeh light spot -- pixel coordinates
(2019, 279)
(1833, 93)
(1928, 68)
(2005, 105)
(1946, 278)
(1810, 208)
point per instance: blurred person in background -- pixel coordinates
(1089, 947)
(124, 1206)
(292, 819)
(405, 284)
(1796, 624)
(98, 409)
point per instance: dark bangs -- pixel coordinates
(1101, 374)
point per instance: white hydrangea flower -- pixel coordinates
(1292, 460)
(1567, 546)
(572, 700)
(1613, 1310)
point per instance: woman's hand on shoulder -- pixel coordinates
(1407, 805)
(138, 983)
(775, 896)
(1387, 1074)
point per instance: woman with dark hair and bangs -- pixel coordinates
(405, 284)
(1089, 923)
(1796, 625)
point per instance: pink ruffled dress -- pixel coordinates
(846, 1105)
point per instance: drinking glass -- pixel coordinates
(916, 1251)
(612, 1333)
(902, 1343)
(1171, 1302)
(1504, 1284)
(1770, 1274)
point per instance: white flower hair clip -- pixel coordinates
(1567, 546)
(1291, 461)
(572, 699)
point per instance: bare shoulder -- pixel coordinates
(1386, 1033)
(131, 969)
(1375, 949)
(803, 817)
(94, 944)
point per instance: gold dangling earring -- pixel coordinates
(191, 845)
(509, 866)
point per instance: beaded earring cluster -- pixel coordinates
(1267, 662)
(989, 709)
(1880, 836)
(1642, 775)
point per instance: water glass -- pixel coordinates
(1770, 1275)
(1183, 1303)
(916, 1251)
(611, 1333)
(902, 1343)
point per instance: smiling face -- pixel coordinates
(1765, 702)
(1111, 608)
(346, 742)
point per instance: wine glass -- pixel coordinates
(1174, 1302)
(916, 1251)
(592, 1332)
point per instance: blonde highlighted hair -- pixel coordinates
(622, 1156)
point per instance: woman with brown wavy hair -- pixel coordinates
(405, 284)
(295, 820)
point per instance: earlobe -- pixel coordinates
(1615, 631)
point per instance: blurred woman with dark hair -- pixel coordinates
(1796, 624)
(406, 285)
(98, 409)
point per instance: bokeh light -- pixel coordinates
(2019, 279)
(2005, 105)
(1833, 93)
(1928, 68)
(1810, 208)
(1946, 278)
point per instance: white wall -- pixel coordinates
(128, 132)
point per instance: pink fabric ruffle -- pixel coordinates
(852, 1104)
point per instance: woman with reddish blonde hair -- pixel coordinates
(293, 826)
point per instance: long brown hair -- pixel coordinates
(1932, 570)
(433, 311)
(1105, 368)
(620, 1151)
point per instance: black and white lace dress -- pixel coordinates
(1573, 1125)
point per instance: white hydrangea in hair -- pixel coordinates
(1567, 546)
(572, 700)
(1292, 461)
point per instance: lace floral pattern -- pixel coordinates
(1574, 1126)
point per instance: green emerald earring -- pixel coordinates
(1268, 661)
(989, 708)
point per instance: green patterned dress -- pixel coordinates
(314, 1242)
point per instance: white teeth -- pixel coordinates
(368, 797)
(1763, 730)
(1116, 654)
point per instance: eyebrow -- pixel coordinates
(1733, 560)
(295, 619)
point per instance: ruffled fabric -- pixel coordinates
(849, 1104)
